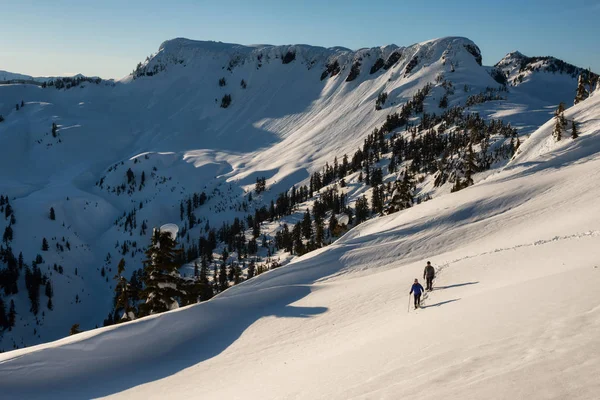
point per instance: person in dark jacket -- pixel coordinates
(417, 289)
(429, 275)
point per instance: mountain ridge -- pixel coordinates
(284, 121)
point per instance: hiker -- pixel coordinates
(428, 275)
(418, 290)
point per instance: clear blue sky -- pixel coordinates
(108, 37)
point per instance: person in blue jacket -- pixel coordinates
(417, 289)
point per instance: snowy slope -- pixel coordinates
(299, 109)
(515, 313)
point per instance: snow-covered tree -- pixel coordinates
(582, 91)
(560, 122)
(557, 131)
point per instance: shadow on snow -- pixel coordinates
(456, 285)
(148, 350)
(441, 303)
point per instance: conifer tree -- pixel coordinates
(162, 282)
(237, 274)
(319, 231)
(471, 166)
(361, 209)
(574, 131)
(204, 271)
(223, 281)
(74, 330)
(52, 215)
(557, 131)
(307, 226)
(251, 269)
(123, 294)
(49, 293)
(44, 244)
(8, 234)
(402, 196)
(333, 224)
(206, 291)
(560, 122)
(582, 92)
(12, 315)
(3, 316)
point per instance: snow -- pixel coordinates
(514, 314)
(173, 229)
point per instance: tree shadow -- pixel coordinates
(456, 285)
(122, 357)
(440, 303)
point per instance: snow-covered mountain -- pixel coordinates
(114, 159)
(514, 314)
(548, 77)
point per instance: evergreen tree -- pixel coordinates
(223, 281)
(203, 277)
(444, 101)
(319, 232)
(251, 269)
(33, 280)
(48, 290)
(361, 209)
(162, 282)
(402, 195)
(74, 330)
(471, 166)
(52, 215)
(333, 224)
(205, 290)
(3, 316)
(237, 274)
(12, 315)
(574, 131)
(8, 234)
(123, 295)
(44, 244)
(582, 91)
(307, 226)
(557, 131)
